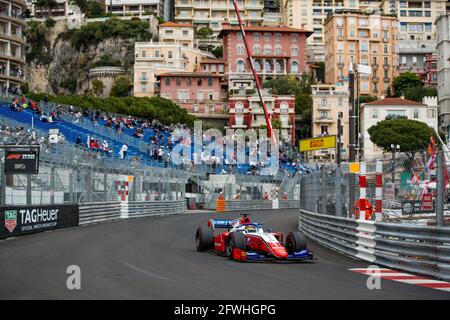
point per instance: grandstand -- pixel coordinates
(82, 126)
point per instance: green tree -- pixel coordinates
(417, 93)
(405, 81)
(107, 60)
(97, 87)
(410, 135)
(121, 87)
(218, 52)
(204, 32)
(276, 124)
(321, 72)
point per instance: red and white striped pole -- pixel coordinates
(378, 190)
(362, 191)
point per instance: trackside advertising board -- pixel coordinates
(18, 220)
(21, 162)
(326, 142)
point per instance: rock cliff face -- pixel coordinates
(68, 71)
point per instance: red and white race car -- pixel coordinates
(247, 241)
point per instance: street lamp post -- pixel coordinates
(395, 149)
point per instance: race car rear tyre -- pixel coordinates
(236, 240)
(295, 242)
(204, 239)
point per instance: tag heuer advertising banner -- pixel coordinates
(417, 207)
(15, 221)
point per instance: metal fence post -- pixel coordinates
(440, 189)
(105, 191)
(338, 188)
(52, 185)
(28, 191)
(323, 191)
(2, 185)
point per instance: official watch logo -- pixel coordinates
(11, 220)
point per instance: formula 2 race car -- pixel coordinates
(247, 241)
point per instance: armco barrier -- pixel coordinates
(154, 208)
(237, 205)
(418, 249)
(99, 212)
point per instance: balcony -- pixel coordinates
(324, 119)
(375, 78)
(184, 4)
(375, 66)
(143, 79)
(386, 66)
(386, 79)
(321, 107)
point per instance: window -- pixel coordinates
(277, 37)
(278, 49)
(267, 49)
(278, 67)
(294, 51)
(257, 66)
(210, 82)
(170, 54)
(178, 81)
(157, 53)
(416, 113)
(375, 113)
(199, 81)
(267, 66)
(257, 36)
(167, 81)
(267, 36)
(256, 49)
(239, 36)
(200, 95)
(323, 102)
(240, 66)
(239, 50)
(294, 67)
(323, 130)
(284, 107)
(294, 37)
(144, 53)
(239, 107)
(185, 32)
(340, 102)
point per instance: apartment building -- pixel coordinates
(311, 15)
(276, 51)
(212, 13)
(61, 9)
(443, 71)
(173, 53)
(391, 108)
(272, 13)
(416, 17)
(246, 111)
(12, 43)
(353, 37)
(413, 56)
(197, 92)
(330, 102)
(176, 33)
(161, 8)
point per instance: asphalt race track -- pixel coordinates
(155, 258)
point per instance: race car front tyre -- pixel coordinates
(236, 240)
(204, 239)
(295, 242)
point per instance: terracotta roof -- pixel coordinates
(172, 24)
(394, 102)
(265, 29)
(189, 74)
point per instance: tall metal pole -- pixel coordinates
(352, 144)
(255, 74)
(338, 185)
(440, 188)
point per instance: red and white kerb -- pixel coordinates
(362, 190)
(122, 190)
(378, 190)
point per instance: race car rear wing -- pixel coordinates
(221, 223)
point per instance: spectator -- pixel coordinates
(123, 151)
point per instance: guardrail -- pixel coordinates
(143, 209)
(237, 205)
(418, 249)
(93, 212)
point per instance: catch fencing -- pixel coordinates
(418, 249)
